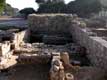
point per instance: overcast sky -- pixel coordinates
(20, 4)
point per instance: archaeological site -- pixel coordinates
(54, 47)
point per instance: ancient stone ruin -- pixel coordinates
(60, 45)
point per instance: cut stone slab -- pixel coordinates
(8, 62)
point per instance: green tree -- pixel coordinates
(2, 5)
(84, 7)
(9, 10)
(52, 7)
(27, 11)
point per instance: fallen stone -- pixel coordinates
(69, 76)
(65, 58)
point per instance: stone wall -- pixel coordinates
(20, 37)
(96, 46)
(4, 48)
(62, 23)
(49, 23)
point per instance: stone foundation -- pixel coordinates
(96, 46)
(50, 27)
(55, 28)
(71, 25)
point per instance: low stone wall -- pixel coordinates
(96, 46)
(20, 37)
(4, 48)
(49, 23)
(62, 23)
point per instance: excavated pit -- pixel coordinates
(31, 72)
(52, 39)
(34, 71)
(27, 72)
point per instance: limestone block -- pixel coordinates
(57, 62)
(54, 76)
(50, 22)
(55, 68)
(54, 73)
(61, 75)
(6, 63)
(3, 61)
(65, 58)
(5, 48)
(55, 54)
(56, 57)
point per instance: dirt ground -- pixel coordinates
(18, 22)
(26, 72)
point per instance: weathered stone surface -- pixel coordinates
(89, 73)
(65, 58)
(20, 37)
(55, 54)
(69, 76)
(61, 74)
(50, 23)
(8, 62)
(56, 62)
(55, 68)
(54, 75)
(50, 28)
(4, 48)
(96, 46)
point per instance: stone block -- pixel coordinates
(55, 54)
(65, 58)
(61, 75)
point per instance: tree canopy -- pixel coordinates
(52, 7)
(9, 10)
(84, 7)
(27, 11)
(2, 5)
